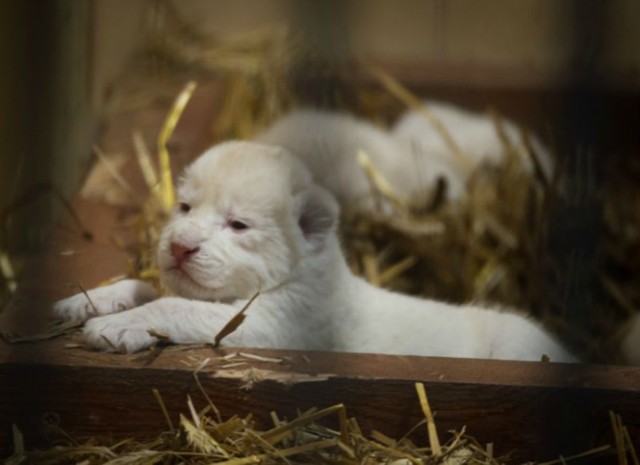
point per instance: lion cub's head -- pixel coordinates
(246, 214)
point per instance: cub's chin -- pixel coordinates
(182, 284)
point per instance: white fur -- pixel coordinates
(328, 144)
(411, 157)
(119, 296)
(474, 133)
(290, 252)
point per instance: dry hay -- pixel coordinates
(204, 437)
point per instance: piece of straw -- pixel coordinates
(631, 447)
(166, 180)
(589, 453)
(234, 322)
(113, 171)
(277, 434)
(8, 272)
(379, 182)
(396, 270)
(403, 94)
(431, 424)
(145, 163)
(618, 434)
(163, 407)
(311, 447)
(18, 441)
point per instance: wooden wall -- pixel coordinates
(485, 43)
(46, 122)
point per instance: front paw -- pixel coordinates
(117, 297)
(122, 332)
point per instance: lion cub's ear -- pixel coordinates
(318, 217)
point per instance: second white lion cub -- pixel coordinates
(250, 218)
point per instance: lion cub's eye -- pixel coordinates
(237, 225)
(184, 207)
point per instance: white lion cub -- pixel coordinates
(411, 157)
(250, 219)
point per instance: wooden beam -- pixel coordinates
(537, 410)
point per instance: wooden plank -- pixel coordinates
(536, 409)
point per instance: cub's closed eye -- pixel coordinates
(184, 207)
(237, 225)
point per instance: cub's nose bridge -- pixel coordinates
(189, 233)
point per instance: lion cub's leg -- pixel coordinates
(116, 297)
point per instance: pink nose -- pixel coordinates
(181, 252)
